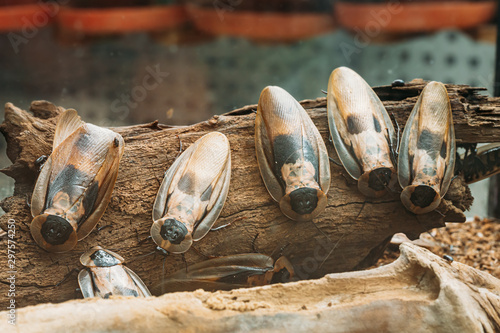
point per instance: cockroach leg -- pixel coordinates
(100, 228)
(437, 211)
(67, 276)
(180, 146)
(227, 224)
(254, 249)
(282, 249)
(152, 168)
(331, 159)
(221, 227)
(28, 199)
(184, 261)
(324, 92)
(39, 162)
(104, 226)
(139, 242)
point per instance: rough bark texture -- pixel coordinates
(419, 292)
(351, 234)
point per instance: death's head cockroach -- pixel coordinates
(292, 155)
(75, 184)
(105, 275)
(192, 193)
(482, 163)
(362, 132)
(427, 153)
(230, 272)
(448, 258)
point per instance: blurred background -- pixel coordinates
(134, 61)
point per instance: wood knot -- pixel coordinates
(214, 120)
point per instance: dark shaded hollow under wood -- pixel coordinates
(351, 234)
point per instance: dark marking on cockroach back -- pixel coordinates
(442, 153)
(304, 200)
(288, 149)
(102, 258)
(107, 295)
(116, 142)
(353, 125)
(427, 141)
(173, 231)
(186, 183)
(89, 200)
(130, 292)
(206, 195)
(379, 178)
(429, 171)
(423, 196)
(65, 182)
(377, 125)
(56, 230)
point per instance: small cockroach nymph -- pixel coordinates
(192, 194)
(75, 184)
(105, 275)
(427, 153)
(230, 272)
(362, 132)
(482, 163)
(292, 155)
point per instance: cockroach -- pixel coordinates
(398, 83)
(292, 155)
(75, 184)
(481, 163)
(192, 194)
(105, 275)
(230, 272)
(448, 258)
(427, 153)
(362, 132)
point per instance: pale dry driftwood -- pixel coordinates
(419, 292)
(351, 233)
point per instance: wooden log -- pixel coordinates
(351, 234)
(419, 292)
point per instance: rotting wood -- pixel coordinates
(419, 292)
(351, 234)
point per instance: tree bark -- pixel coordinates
(350, 234)
(419, 292)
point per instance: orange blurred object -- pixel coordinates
(417, 16)
(25, 15)
(260, 25)
(101, 21)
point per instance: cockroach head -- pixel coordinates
(173, 231)
(304, 200)
(101, 258)
(375, 183)
(420, 199)
(56, 230)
